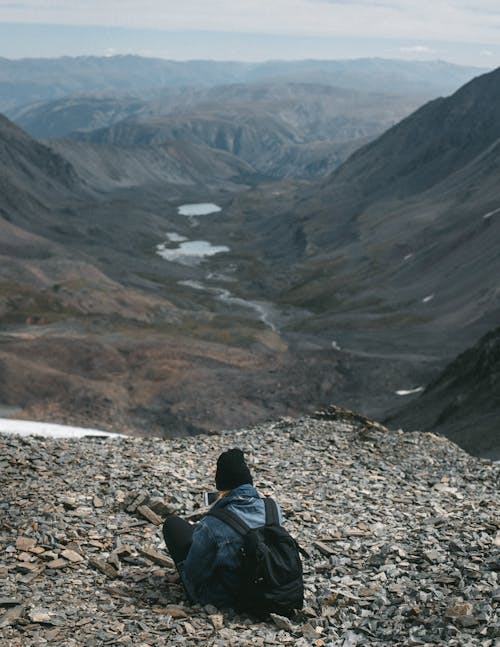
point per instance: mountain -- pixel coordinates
(418, 210)
(423, 78)
(28, 80)
(314, 112)
(464, 397)
(283, 130)
(108, 167)
(25, 81)
(396, 252)
(433, 143)
(30, 157)
(410, 215)
(55, 119)
(264, 143)
(44, 212)
(284, 119)
(358, 289)
(31, 172)
(280, 130)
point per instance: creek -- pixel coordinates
(179, 249)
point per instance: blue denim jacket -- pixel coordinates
(210, 570)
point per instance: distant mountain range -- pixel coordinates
(28, 80)
(291, 130)
(284, 119)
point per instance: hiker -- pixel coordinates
(209, 554)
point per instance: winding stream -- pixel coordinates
(261, 308)
(182, 250)
(179, 249)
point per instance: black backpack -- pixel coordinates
(271, 569)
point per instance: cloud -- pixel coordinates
(440, 20)
(486, 52)
(418, 49)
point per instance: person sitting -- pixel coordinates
(208, 554)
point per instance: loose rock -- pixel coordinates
(401, 529)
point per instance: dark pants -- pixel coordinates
(178, 535)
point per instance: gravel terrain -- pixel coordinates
(402, 532)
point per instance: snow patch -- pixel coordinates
(175, 238)
(490, 213)
(419, 389)
(50, 430)
(427, 299)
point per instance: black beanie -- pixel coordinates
(232, 470)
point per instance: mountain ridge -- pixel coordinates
(31, 175)
(26, 80)
(396, 259)
(280, 130)
(466, 121)
(372, 227)
(400, 529)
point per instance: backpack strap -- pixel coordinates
(272, 519)
(231, 519)
(236, 523)
(272, 516)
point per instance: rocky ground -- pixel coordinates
(402, 532)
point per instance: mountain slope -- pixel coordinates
(396, 252)
(32, 175)
(418, 210)
(109, 167)
(411, 215)
(282, 130)
(437, 140)
(54, 119)
(394, 266)
(400, 532)
(315, 112)
(465, 396)
(44, 210)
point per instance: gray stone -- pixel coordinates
(217, 621)
(397, 551)
(40, 615)
(11, 616)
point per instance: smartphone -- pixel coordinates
(210, 497)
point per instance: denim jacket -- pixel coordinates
(210, 572)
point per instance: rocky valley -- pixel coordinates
(335, 262)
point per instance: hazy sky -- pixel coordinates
(462, 31)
